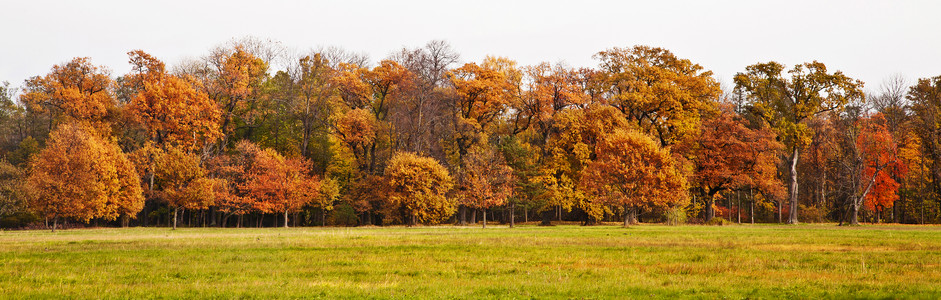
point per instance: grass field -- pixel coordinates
(746, 261)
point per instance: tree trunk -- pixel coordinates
(484, 215)
(512, 215)
(751, 202)
(626, 217)
(55, 222)
(213, 216)
(176, 212)
(463, 215)
(779, 210)
(792, 217)
(525, 215)
(710, 211)
(633, 215)
(473, 217)
(546, 218)
(285, 218)
(854, 216)
(738, 208)
(238, 223)
(323, 218)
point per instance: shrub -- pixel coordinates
(718, 221)
(676, 216)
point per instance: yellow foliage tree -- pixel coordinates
(183, 181)
(663, 94)
(418, 186)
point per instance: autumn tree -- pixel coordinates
(361, 122)
(486, 180)
(309, 88)
(663, 94)
(327, 196)
(728, 155)
(871, 158)
(170, 108)
(422, 109)
(418, 186)
(14, 193)
(83, 176)
(279, 184)
(788, 103)
(569, 151)
(631, 171)
(231, 172)
(233, 77)
(73, 91)
(925, 97)
(183, 182)
(548, 90)
(483, 93)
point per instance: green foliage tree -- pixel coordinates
(788, 103)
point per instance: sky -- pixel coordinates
(867, 40)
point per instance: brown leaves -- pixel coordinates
(729, 155)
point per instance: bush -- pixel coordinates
(811, 214)
(718, 221)
(344, 215)
(17, 220)
(676, 216)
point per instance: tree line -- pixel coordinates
(252, 134)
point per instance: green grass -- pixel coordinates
(759, 261)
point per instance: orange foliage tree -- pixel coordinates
(631, 171)
(486, 180)
(880, 164)
(728, 155)
(171, 108)
(230, 171)
(279, 184)
(574, 145)
(82, 176)
(233, 78)
(76, 90)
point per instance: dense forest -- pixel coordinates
(252, 134)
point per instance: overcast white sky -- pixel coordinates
(868, 40)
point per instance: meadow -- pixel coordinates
(569, 261)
